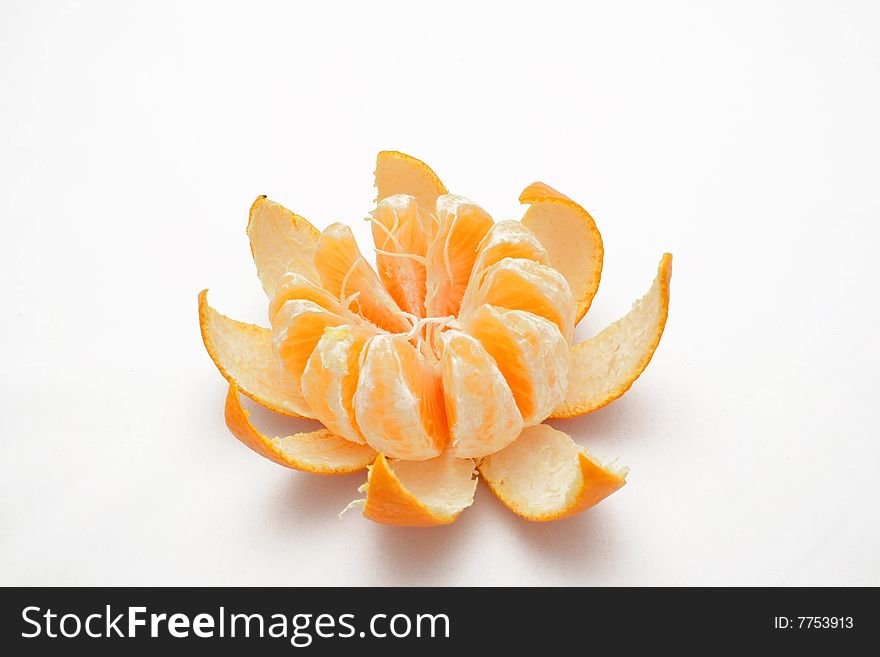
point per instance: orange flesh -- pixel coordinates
(530, 352)
(330, 379)
(506, 239)
(401, 238)
(452, 253)
(399, 400)
(294, 286)
(298, 326)
(480, 407)
(521, 284)
(345, 272)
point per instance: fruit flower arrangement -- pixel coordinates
(439, 366)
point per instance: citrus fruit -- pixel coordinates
(442, 362)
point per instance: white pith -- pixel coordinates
(444, 485)
(540, 473)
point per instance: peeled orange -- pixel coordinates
(445, 360)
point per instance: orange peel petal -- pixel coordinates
(604, 367)
(571, 238)
(281, 242)
(244, 355)
(398, 173)
(419, 493)
(544, 475)
(318, 452)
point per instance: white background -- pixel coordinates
(742, 137)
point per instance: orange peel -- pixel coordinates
(419, 493)
(281, 242)
(604, 367)
(545, 475)
(244, 355)
(399, 173)
(318, 452)
(571, 238)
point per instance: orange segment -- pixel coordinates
(330, 379)
(451, 255)
(397, 173)
(318, 452)
(480, 408)
(243, 353)
(545, 475)
(419, 493)
(531, 353)
(401, 238)
(399, 402)
(509, 239)
(345, 272)
(506, 239)
(605, 366)
(296, 329)
(570, 236)
(294, 286)
(281, 241)
(522, 284)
